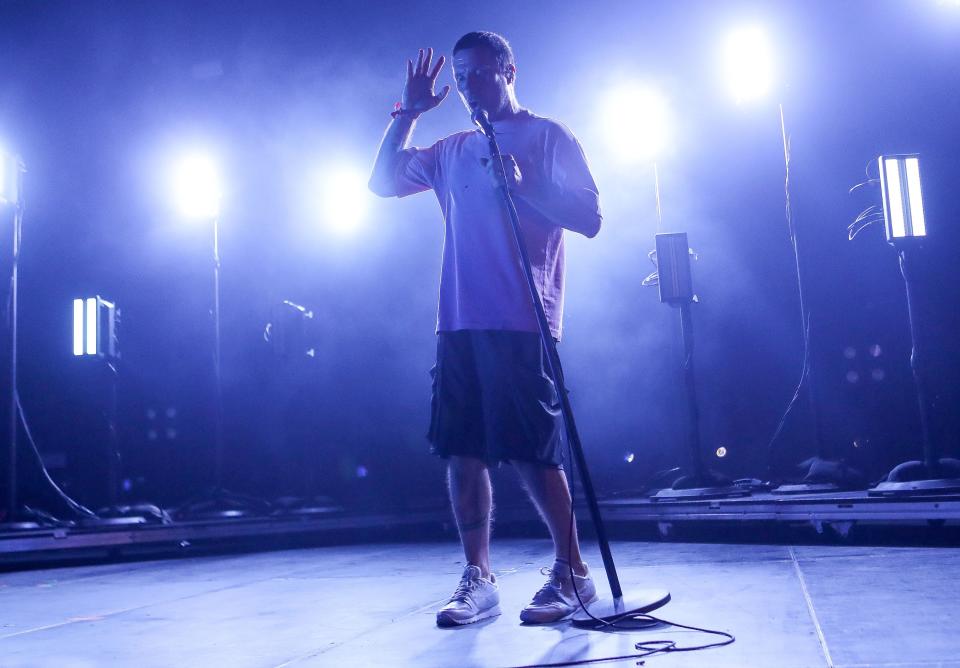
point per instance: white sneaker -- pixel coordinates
(557, 599)
(476, 598)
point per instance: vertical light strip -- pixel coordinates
(916, 198)
(897, 226)
(78, 327)
(92, 326)
(3, 177)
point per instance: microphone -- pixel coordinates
(480, 117)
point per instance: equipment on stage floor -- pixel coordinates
(95, 325)
(905, 227)
(676, 288)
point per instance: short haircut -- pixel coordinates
(498, 44)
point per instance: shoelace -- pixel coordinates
(552, 588)
(464, 589)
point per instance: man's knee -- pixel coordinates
(466, 467)
(530, 471)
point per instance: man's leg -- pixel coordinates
(477, 596)
(547, 487)
(561, 595)
(472, 498)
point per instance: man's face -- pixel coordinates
(480, 80)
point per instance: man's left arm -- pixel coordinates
(574, 209)
(562, 189)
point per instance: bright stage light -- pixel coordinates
(902, 198)
(635, 121)
(3, 177)
(10, 171)
(95, 327)
(342, 199)
(748, 63)
(196, 186)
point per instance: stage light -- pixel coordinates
(10, 172)
(635, 121)
(196, 186)
(748, 63)
(902, 198)
(95, 327)
(78, 327)
(342, 199)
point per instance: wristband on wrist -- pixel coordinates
(398, 111)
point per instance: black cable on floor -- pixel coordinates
(645, 648)
(628, 621)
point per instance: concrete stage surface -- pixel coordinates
(373, 605)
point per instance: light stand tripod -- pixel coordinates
(933, 474)
(676, 289)
(217, 501)
(14, 181)
(674, 279)
(96, 322)
(905, 225)
(648, 600)
(825, 471)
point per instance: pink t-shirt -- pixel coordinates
(482, 285)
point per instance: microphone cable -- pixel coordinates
(629, 621)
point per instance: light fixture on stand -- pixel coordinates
(95, 328)
(198, 192)
(12, 170)
(675, 280)
(906, 227)
(749, 69)
(636, 119)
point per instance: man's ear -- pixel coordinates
(511, 73)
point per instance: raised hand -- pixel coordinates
(418, 95)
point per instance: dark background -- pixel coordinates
(96, 95)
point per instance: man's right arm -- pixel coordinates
(418, 97)
(383, 180)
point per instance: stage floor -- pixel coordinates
(373, 605)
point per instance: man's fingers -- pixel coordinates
(426, 61)
(409, 69)
(443, 93)
(419, 60)
(437, 68)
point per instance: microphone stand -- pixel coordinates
(17, 516)
(650, 600)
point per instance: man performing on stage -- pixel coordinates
(493, 400)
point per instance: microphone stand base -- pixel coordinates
(610, 610)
